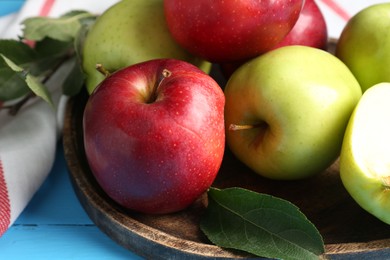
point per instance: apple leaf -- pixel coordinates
(32, 82)
(38, 61)
(25, 69)
(63, 28)
(12, 85)
(260, 224)
(17, 51)
(76, 78)
(18, 58)
(49, 54)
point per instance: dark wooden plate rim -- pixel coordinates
(126, 229)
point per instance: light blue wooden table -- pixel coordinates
(10, 6)
(54, 225)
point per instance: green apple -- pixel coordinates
(286, 111)
(364, 159)
(129, 32)
(364, 45)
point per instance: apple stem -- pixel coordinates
(234, 127)
(386, 181)
(164, 74)
(102, 70)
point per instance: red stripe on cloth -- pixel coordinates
(5, 208)
(335, 7)
(47, 5)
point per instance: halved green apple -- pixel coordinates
(365, 154)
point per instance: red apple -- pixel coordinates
(309, 30)
(230, 30)
(154, 135)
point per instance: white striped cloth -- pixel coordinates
(28, 140)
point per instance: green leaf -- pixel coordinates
(12, 84)
(39, 89)
(33, 83)
(38, 61)
(75, 79)
(49, 53)
(63, 28)
(260, 224)
(17, 51)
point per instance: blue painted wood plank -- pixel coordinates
(10, 6)
(60, 242)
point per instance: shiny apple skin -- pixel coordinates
(230, 30)
(364, 45)
(310, 29)
(155, 143)
(298, 100)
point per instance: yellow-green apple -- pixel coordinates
(129, 32)
(364, 45)
(230, 30)
(286, 111)
(154, 134)
(364, 159)
(309, 30)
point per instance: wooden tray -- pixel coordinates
(346, 228)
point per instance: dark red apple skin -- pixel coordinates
(154, 143)
(310, 29)
(230, 30)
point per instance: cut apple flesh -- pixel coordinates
(365, 154)
(371, 133)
